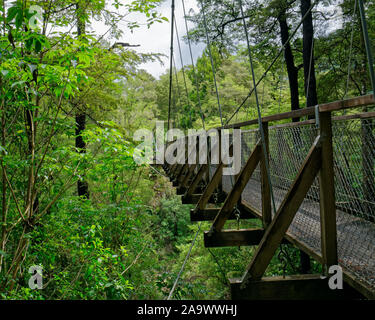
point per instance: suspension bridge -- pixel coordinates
(311, 183)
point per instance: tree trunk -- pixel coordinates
(368, 140)
(289, 61)
(308, 56)
(82, 185)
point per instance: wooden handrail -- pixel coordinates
(327, 107)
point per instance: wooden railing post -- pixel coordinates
(265, 186)
(207, 178)
(220, 186)
(327, 193)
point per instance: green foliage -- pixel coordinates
(130, 238)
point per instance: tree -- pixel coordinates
(308, 55)
(41, 74)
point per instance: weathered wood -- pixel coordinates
(213, 184)
(281, 116)
(296, 287)
(265, 186)
(245, 207)
(198, 178)
(237, 189)
(347, 104)
(173, 167)
(188, 176)
(360, 286)
(211, 213)
(179, 172)
(180, 191)
(328, 107)
(185, 169)
(194, 198)
(284, 216)
(181, 175)
(233, 238)
(327, 193)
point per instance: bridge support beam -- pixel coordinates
(211, 213)
(296, 287)
(194, 198)
(234, 238)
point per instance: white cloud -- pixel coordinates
(156, 39)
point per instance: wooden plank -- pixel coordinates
(213, 184)
(293, 124)
(243, 206)
(194, 198)
(234, 238)
(296, 287)
(367, 115)
(360, 286)
(284, 216)
(327, 194)
(186, 168)
(312, 121)
(180, 167)
(239, 186)
(188, 176)
(181, 175)
(289, 238)
(276, 117)
(346, 104)
(198, 177)
(211, 213)
(179, 172)
(180, 191)
(174, 167)
(265, 186)
(327, 107)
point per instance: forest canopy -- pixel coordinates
(74, 201)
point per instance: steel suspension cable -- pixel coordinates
(184, 264)
(264, 145)
(170, 295)
(212, 62)
(281, 81)
(171, 66)
(350, 50)
(183, 71)
(367, 45)
(193, 66)
(178, 88)
(273, 61)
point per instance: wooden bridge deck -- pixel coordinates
(355, 236)
(323, 206)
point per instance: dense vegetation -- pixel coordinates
(72, 198)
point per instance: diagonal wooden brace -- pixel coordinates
(188, 175)
(237, 189)
(212, 185)
(285, 215)
(198, 177)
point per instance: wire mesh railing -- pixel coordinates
(354, 170)
(353, 143)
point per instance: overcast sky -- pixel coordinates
(156, 39)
